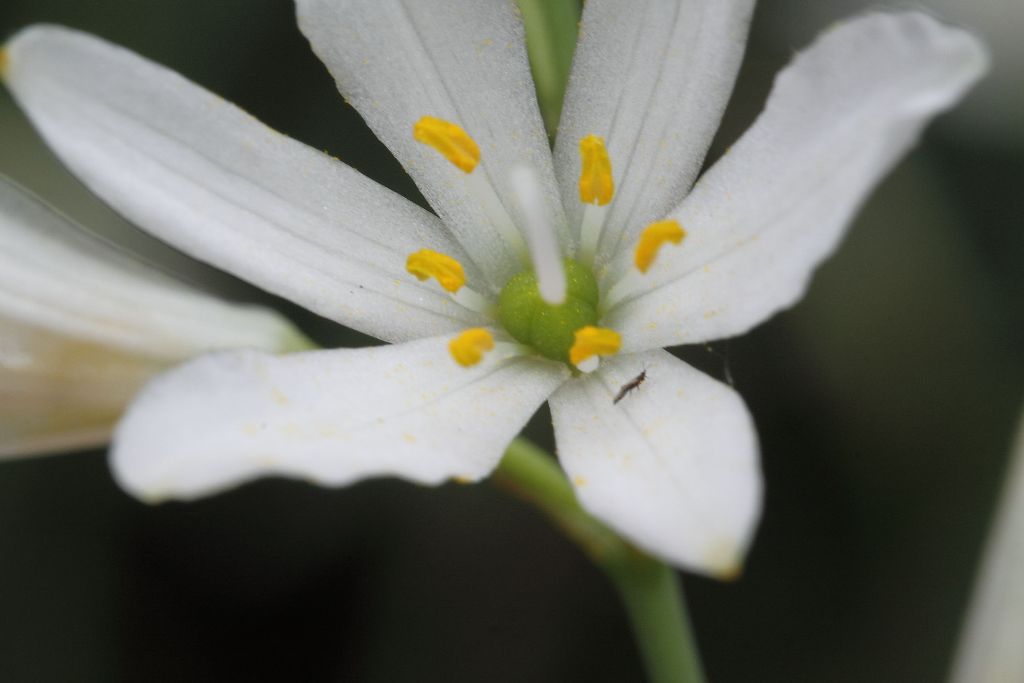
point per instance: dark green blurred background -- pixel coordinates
(885, 404)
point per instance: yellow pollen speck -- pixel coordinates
(431, 264)
(279, 396)
(462, 479)
(450, 140)
(651, 239)
(469, 348)
(579, 481)
(596, 184)
(594, 341)
(4, 60)
(409, 438)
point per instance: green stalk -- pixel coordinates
(648, 588)
(550, 42)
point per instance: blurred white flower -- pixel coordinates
(990, 646)
(83, 326)
(536, 266)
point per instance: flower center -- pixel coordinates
(552, 308)
(549, 328)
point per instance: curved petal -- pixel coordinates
(989, 647)
(82, 326)
(673, 466)
(59, 393)
(329, 416)
(57, 277)
(775, 206)
(464, 61)
(652, 77)
(206, 177)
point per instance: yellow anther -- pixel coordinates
(450, 140)
(426, 264)
(651, 239)
(594, 341)
(3, 61)
(596, 184)
(469, 348)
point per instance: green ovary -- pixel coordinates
(549, 329)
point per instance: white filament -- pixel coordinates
(540, 235)
(590, 232)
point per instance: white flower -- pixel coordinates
(673, 466)
(990, 643)
(83, 326)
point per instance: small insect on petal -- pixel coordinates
(450, 140)
(596, 183)
(594, 341)
(630, 386)
(469, 347)
(651, 240)
(426, 264)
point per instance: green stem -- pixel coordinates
(648, 588)
(654, 601)
(550, 41)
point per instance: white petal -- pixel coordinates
(82, 326)
(652, 77)
(776, 205)
(57, 277)
(329, 416)
(463, 61)
(206, 177)
(59, 393)
(673, 466)
(540, 236)
(990, 645)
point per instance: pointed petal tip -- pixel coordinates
(724, 560)
(152, 498)
(730, 574)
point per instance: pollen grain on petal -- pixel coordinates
(426, 264)
(651, 240)
(593, 341)
(596, 183)
(469, 347)
(450, 140)
(4, 61)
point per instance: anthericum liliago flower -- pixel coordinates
(989, 648)
(541, 276)
(83, 327)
